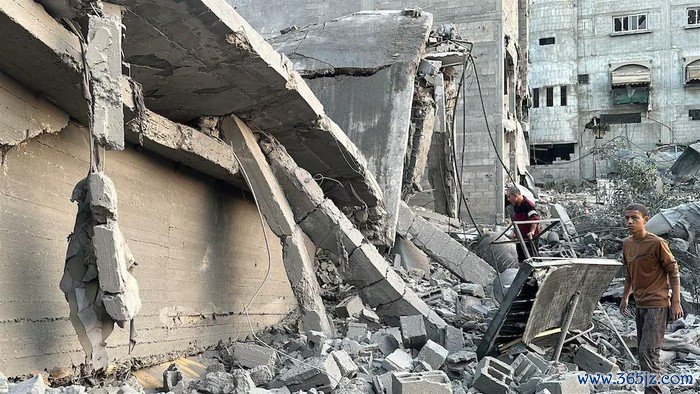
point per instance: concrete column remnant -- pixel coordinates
(97, 280)
(359, 262)
(104, 60)
(277, 211)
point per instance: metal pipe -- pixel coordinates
(580, 334)
(617, 334)
(567, 323)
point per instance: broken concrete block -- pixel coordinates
(492, 376)
(433, 354)
(524, 369)
(103, 197)
(383, 383)
(317, 344)
(454, 339)
(357, 331)
(111, 257)
(433, 382)
(351, 346)
(413, 331)
(171, 377)
(398, 360)
(589, 360)
(386, 341)
(351, 306)
(411, 257)
(104, 60)
(250, 355)
(567, 383)
(320, 373)
(385, 291)
(347, 367)
(470, 289)
(34, 385)
(261, 375)
(124, 306)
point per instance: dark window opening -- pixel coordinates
(548, 154)
(621, 118)
(628, 94)
(694, 114)
(563, 96)
(550, 97)
(535, 98)
(583, 79)
(547, 41)
(693, 16)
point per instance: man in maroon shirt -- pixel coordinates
(524, 210)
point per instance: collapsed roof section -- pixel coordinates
(362, 68)
(199, 57)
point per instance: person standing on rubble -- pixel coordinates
(650, 272)
(524, 210)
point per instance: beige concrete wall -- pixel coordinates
(198, 242)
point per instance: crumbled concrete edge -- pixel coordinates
(359, 262)
(444, 249)
(278, 213)
(184, 145)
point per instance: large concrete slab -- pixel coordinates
(199, 57)
(362, 68)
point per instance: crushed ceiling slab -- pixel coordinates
(199, 57)
(362, 68)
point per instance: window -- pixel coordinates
(563, 96)
(583, 79)
(547, 41)
(630, 23)
(621, 118)
(692, 73)
(550, 96)
(694, 114)
(535, 98)
(630, 83)
(549, 153)
(694, 16)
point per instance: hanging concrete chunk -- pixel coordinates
(124, 306)
(103, 197)
(112, 257)
(104, 60)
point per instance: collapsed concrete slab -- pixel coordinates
(199, 57)
(363, 74)
(278, 213)
(358, 261)
(443, 249)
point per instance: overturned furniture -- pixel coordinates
(548, 294)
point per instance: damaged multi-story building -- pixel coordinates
(485, 123)
(604, 73)
(207, 173)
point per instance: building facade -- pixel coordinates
(607, 74)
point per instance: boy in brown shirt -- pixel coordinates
(650, 272)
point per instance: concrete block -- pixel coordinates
(327, 226)
(171, 377)
(386, 341)
(103, 197)
(365, 266)
(405, 220)
(523, 369)
(411, 257)
(320, 373)
(261, 375)
(413, 331)
(433, 382)
(398, 360)
(250, 355)
(383, 383)
(347, 367)
(589, 360)
(34, 385)
(454, 339)
(565, 384)
(317, 343)
(470, 289)
(124, 306)
(111, 257)
(492, 376)
(433, 354)
(357, 331)
(351, 346)
(385, 291)
(351, 306)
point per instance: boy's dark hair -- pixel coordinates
(638, 207)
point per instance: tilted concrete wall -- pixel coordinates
(198, 242)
